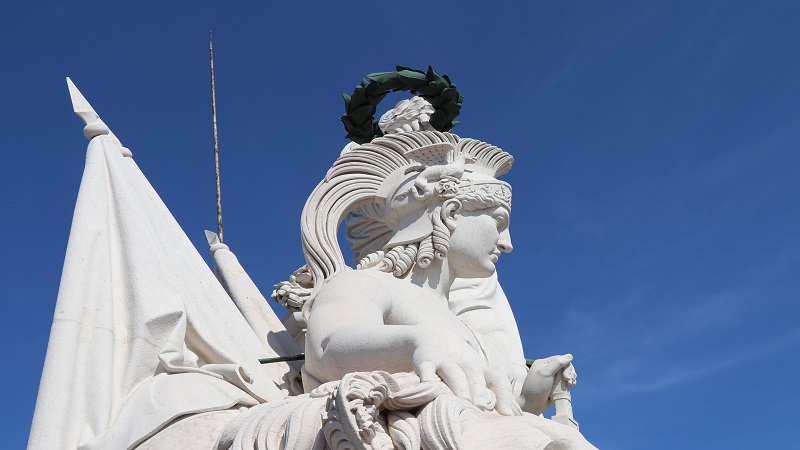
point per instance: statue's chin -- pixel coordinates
(477, 271)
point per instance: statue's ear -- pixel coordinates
(448, 213)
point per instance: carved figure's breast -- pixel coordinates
(413, 306)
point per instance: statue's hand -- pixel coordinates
(461, 368)
(540, 382)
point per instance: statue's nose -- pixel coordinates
(504, 243)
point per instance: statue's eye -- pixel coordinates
(501, 218)
(400, 197)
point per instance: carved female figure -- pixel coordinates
(435, 211)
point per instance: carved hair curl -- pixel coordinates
(402, 258)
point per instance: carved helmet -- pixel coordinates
(393, 185)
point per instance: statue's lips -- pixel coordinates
(494, 257)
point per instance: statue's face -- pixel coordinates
(477, 241)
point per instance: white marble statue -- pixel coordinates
(426, 209)
(415, 348)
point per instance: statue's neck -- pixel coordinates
(436, 279)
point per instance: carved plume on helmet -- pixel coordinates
(352, 181)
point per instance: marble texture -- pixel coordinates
(436, 214)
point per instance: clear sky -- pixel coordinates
(656, 220)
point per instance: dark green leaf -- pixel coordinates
(438, 120)
(362, 114)
(348, 124)
(358, 99)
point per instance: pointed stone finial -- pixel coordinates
(214, 243)
(80, 105)
(212, 237)
(94, 124)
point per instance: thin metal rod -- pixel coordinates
(299, 357)
(216, 139)
(302, 356)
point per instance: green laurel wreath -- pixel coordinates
(437, 89)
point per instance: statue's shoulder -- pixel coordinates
(358, 287)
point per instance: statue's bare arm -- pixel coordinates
(348, 332)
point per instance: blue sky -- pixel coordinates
(656, 208)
